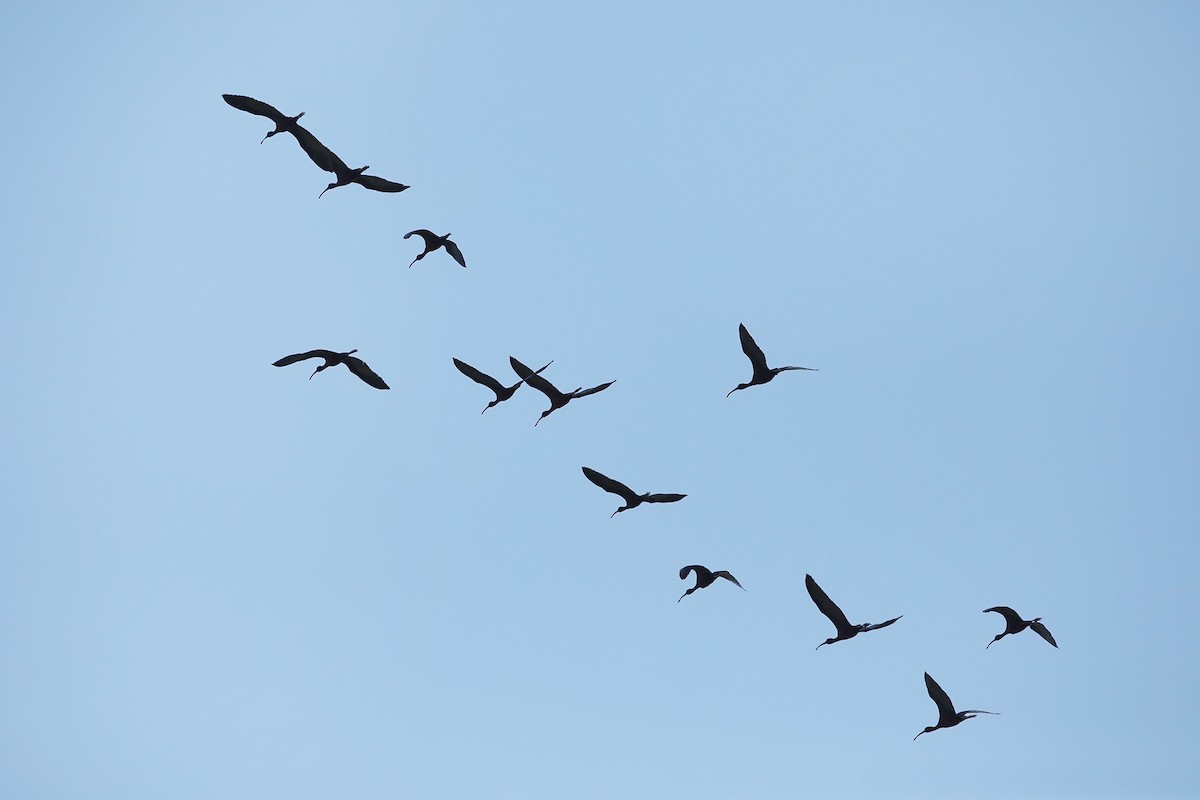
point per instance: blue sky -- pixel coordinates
(220, 579)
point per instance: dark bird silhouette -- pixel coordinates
(762, 373)
(947, 716)
(327, 160)
(332, 359)
(844, 629)
(705, 578)
(632, 499)
(482, 378)
(557, 399)
(1014, 624)
(433, 242)
(283, 123)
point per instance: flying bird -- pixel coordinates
(332, 359)
(327, 160)
(557, 399)
(947, 716)
(705, 578)
(632, 499)
(482, 378)
(827, 607)
(283, 123)
(762, 373)
(433, 242)
(1014, 624)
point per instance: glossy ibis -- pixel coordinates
(762, 373)
(705, 578)
(283, 123)
(1014, 624)
(557, 399)
(947, 716)
(482, 378)
(327, 160)
(332, 359)
(433, 242)
(632, 499)
(844, 629)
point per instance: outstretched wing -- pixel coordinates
(479, 377)
(593, 390)
(703, 574)
(1012, 618)
(876, 627)
(663, 498)
(825, 605)
(609, 485)
(328, 355)
(321, 155)
(752, 350)
(1041, 631)
(939, 696)
(377, 184)
(455, 253)
(360, 368)
(533, 379)
(725, 574)
(430, 237)
(252, 106)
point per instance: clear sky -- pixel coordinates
(219, 579)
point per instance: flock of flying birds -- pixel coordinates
(325, 158)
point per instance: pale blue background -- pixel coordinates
(221, 580)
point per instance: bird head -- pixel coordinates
(827, 641)
(927, 730)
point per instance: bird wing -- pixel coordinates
(252, 106)
(455, 253)
(1011, 617)
(609, 485)
(752, 350)
(826, 606)
(328, 355)
(593, 390)
(430, 237)
(321, 155)
(703, 574)
(360, 368)
(939, 696)
(1041, 631)
(479, 377)
(536, 381)
(880, 625)
(378, 184)
(725, 574)
(663, 498)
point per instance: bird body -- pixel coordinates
(327, 160)
(433, 242)
(283, 123)
(1014, 624)
(705, 578)
(827, 607)
(332, 359)
(557, 399)
(632, 499)
(762, 373)
(502, 392)
(947, 716)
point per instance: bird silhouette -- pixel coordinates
(327, 160)
(1014, 624)
(947, 716)
(762, 373)
(433, 242)
(705, 578)
(557, 399)
(283, 123)
(482, 378)
(827, 607)
(332, 359)
(632, 499)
